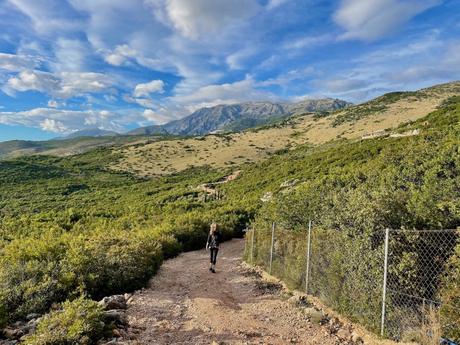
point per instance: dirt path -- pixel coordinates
(187, 304)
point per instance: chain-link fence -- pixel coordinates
(390, 281)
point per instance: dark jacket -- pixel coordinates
(214, 240)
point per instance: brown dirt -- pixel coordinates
(187, 304)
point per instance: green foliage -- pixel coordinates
(109, 263)
(71, 227)
(353, 191)
(79, 322)
(450, 294)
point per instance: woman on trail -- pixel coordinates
(212, 244)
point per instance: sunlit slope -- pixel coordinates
(65, 147)
(383, 113)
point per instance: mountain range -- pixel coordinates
(279, 130)
(236, 117)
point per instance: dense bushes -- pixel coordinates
(356, 190)
(34, 273)
(70, 227)
(109, 263)
(86, 230)
(450, 295)
(79, 322)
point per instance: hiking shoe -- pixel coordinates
(213, 270)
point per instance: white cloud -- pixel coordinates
(371, 19)
(67, 121)
(16, 63)
(341, 85)
(285, 78)
(48, 17)
(53, 104)
(70, 55)
(227, 93)
(60, 85)
(156, 117)
(80, 83)
(30, 80)
(120, 55)
(236, 60)
(144, 90)
(275, 3)
(51, 125)
(143, 102)
(308, 42)
(198, 17)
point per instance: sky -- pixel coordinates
(68, 65)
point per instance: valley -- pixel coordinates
(76, 228)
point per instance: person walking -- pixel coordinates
(214, 238)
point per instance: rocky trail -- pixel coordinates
(187, 304)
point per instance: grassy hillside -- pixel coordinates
(384, 113)
(74, 226)
(67, 147)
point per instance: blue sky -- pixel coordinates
(67, 65)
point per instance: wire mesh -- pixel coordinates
(416, 269)
(289, 257)
(346, 271)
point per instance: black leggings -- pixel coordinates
(214, 255)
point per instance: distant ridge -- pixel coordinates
(235, 117)
(92, 132)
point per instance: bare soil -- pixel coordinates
(187, 304)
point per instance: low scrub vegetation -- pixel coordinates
(70, 227)
(79, 322)
(356, 190)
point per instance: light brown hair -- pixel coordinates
(213, 228)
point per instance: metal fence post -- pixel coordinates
(385, 273)
(307, 272)
(252, 245)
(271, 247)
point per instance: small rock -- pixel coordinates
(116, 333)
(111, 342)
(32, 316)
(356, 338)
(10, 333)
(314, 315)
(116, 316)
(113, 302)
(343, 334)
(18, 324)
(294, 300)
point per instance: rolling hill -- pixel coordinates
(151, 151)
(73, 229)
(373, 118)
(95, 133)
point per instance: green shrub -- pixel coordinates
(29, 275)
(170, 247)
(450, 294)
(79, 322)
(111, 263)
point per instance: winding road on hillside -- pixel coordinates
(186, 304)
